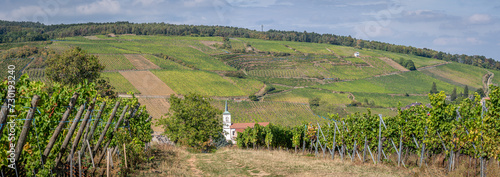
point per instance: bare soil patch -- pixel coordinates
(140, 62)
(393, 64)
(147, 83)
(157, 107)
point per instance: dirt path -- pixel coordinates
(147, 83)
(192, 165)
(393, 64)
(210, 43)
(140, 62)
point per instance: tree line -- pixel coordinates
(34, 31)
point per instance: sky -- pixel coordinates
(453, 26)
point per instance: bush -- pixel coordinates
(238, 74)
(253, 98)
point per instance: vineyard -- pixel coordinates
(206, 83)
(280, 113)
(115, 62)
(63, 130)
(456, 132)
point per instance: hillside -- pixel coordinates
(284, 75)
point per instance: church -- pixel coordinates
(231, 130)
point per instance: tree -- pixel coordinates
(253, 98)
(314, 102)
(410, 65)
(480, 92)
(73, 66)
(434, 88)
(466, 91)
(453, 95)
(192, 121)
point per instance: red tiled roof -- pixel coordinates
(245, 125)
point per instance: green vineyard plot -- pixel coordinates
(206, 83)
(408, 82)
(459, 74)
(115, 62)
(121, 84)
(389, 101)
(305, 94)
(280, 113)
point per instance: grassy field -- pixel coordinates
(206, 83)
(249, 86)
(294, 82)
(459, 74)
(413, 82)
(121, 84)
(386, 100)
(303, 95)
(115, 62)
(308, 47)
(287, 114)
(417, 60)
(267, 45)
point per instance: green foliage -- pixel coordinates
(408, 64)
(53, 102)
(192, 122)
(314, 102)
(466, 126)
(453, 95)
(73, 66)
(466, 91)
(237, 74)
(480, 92)
(433, 88)
(253, 98)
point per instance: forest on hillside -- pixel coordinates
(34, 31)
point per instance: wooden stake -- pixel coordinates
(107, 162)
(125, 154)
(69, 135)
(79, 165)
(26, 127)
(101, 138)
(90, 151)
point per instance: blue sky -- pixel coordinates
(455, 26)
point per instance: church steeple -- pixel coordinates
(225, 110)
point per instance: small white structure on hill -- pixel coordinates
(356, 54)
(226, 124)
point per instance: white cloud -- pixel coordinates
(24, 13)
(479, 19)
(100, 7)
(252, 3)
(147, 2)
(457, 41)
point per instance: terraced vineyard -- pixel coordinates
(287, 114)
(459, 74)
(36, 74)
(206, 83)
(276, 73)
(303, 96)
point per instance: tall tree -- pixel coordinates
(480, 92)
(73, 66)
(434, 88)
(453, 95)
(466, 91)
(192, 121)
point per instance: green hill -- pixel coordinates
(285, 75)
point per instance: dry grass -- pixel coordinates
(167, 161)
(175, 161)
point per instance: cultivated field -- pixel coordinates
(115, 62)
(121, 84)
(147, 83)
(140, 62)
(459, 74)
(304, 94)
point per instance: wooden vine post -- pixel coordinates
(69, 135)
(59, 128)
(82, 126)
(26, 127)
(101, 138)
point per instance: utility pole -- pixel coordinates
(262, 28)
